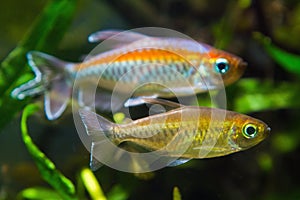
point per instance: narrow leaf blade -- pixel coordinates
(46, 167)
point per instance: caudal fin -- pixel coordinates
(100, 131)
(51, 79)
(95, 124)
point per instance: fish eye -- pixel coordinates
(250, 131)
(221, 65)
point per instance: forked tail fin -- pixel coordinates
(95, 124)
(52, 78)
(100, 130)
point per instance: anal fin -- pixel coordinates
(179, 161)
(57, 98)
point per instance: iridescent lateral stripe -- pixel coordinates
(192, 123)
(144, 63)
(181, 47)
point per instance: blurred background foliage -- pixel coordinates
(265, 33)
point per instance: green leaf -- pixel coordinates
(44, 35)
(119, 117)
(117, 193)
(176, 194)
(39, 193)
(285, 142)
(46, 167)
(265, 161)
(224, 29)
(91, 184)
(252, 95)
(288, 61)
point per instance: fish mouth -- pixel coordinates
(267, 131)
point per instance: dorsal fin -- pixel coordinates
(119, 36)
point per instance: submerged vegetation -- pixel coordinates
(53, 164)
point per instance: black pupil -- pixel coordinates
(222, 66)
(250, 130)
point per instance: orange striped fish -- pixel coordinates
(149, 66)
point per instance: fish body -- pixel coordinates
(186, 132)
(177, 63)
(149, 66)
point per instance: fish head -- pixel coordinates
(222, 67)
(247, 132)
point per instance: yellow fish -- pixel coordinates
(186, 132)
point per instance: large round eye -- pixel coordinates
(221, 65)
(250, 131)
